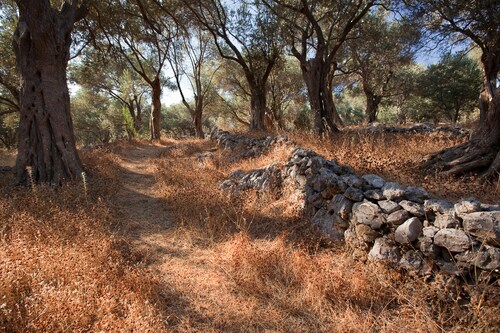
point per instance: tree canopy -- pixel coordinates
(259, 64)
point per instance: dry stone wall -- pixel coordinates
(382, 220)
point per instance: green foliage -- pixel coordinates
(9, 80)
(383, 50)
(177, 121)
(286, 93)
(128, 123)
(303, 119)
(351, 106)
(450, 88)
(96, 119)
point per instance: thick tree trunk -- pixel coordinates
(491, 64)
(154, 122)
(258, 105)
(46, 147)
(320, 97)
(481, 154)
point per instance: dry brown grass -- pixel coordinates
(250, 264)
(398, 157)
(279, 276)
(61, 268)
(329, 292)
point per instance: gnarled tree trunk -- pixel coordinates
(315, 75)
(372, 103)
(42, 43)
(491, 64)
(197, 117)
(258, 105)
(480, 154)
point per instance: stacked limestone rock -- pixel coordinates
(385, 220)
(266, 179)
(251, 147)
(398, 224)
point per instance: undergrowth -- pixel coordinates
(63, 270)
(246, 263)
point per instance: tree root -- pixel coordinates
(472, 156)
(494, 169)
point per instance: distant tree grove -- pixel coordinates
(86, 71)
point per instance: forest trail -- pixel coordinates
(197, 289)
(160, 248)
(140, 207)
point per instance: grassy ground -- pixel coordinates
(155, 246)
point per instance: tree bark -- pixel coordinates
(481, 154)
(138, 114)
(315, 73)
(490, 62)
(197, 117)
(258, 105)
(372, 104)
(42, 41)
(154, 123)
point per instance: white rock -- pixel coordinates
(408, 231)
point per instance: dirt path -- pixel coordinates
(145, 215)
(142, 209)
(198, 289)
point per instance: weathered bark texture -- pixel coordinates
(491, 66)
(154, 122)
(480, 154)
(372, 104)
(197, 115)
(198, 124)
(42, 45)
(315, 73)
(258, 104)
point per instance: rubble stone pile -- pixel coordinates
(381, 220)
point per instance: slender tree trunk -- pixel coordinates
(154, 123)
(131, 111)
(197, 117)
(46, 147)
(138, 114)
(456, 115)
